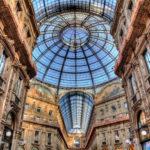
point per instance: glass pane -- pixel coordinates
(77, 108)
(147, 59)
(75, 50)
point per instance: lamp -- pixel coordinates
(127, 141)
(143, 132)
(117, 137)
(8, 133)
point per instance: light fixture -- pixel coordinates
(127, 141)
(76, 142)
(143, 132)
(8, 133)
(117, 137)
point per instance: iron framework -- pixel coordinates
(75, 50)
(76, 108)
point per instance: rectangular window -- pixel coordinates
(146, 56)
(132, 84)
(130, 5)
(22, 134)
(2, 62)
(38, 109)
(17, 86)
(125, 105)
(18, 7)
(117, 133)
(27, 106)
(50, 113)
(49, 139)
(36, 137)
(116, 136)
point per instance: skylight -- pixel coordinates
(75, 50)
(76, 109)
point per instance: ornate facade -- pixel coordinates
(131, 29)
(74, 50)
(110, 125)
(43, 126)
(41, 129)
(18, 32)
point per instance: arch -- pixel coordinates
(141, 119)
(43, 86)
(72, 91)
(10, 119)
(136, 116)
(108, 88)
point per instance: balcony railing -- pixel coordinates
(16, 101)
(33, 118)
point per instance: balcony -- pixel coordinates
(15, 102)
(42, 121)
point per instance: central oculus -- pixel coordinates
(75, 36)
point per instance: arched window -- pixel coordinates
(10, 120)
(8, 129)
(141, 119)
(143, 131)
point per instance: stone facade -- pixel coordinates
(42, 127)
(41, 115)
(109, 125)
(16, 66)
(131, 30)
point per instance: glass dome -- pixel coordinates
(76, 109)
(75, 50)
(46, 8)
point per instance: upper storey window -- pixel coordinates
(38, 109)
(147, 59)
(18, 7)
(49, 138)
(130, 6)
(133, 85)
(113, 109)
(121, 35)
(17, 86)
(36, 137)
(2, 62)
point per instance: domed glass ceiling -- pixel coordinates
(75, 50)
(46, 8)
(76, 108)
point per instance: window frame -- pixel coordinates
(146, 50)
(49, 141)
(133, 84)
(3, 58)
(36, 137)
(38, 109)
